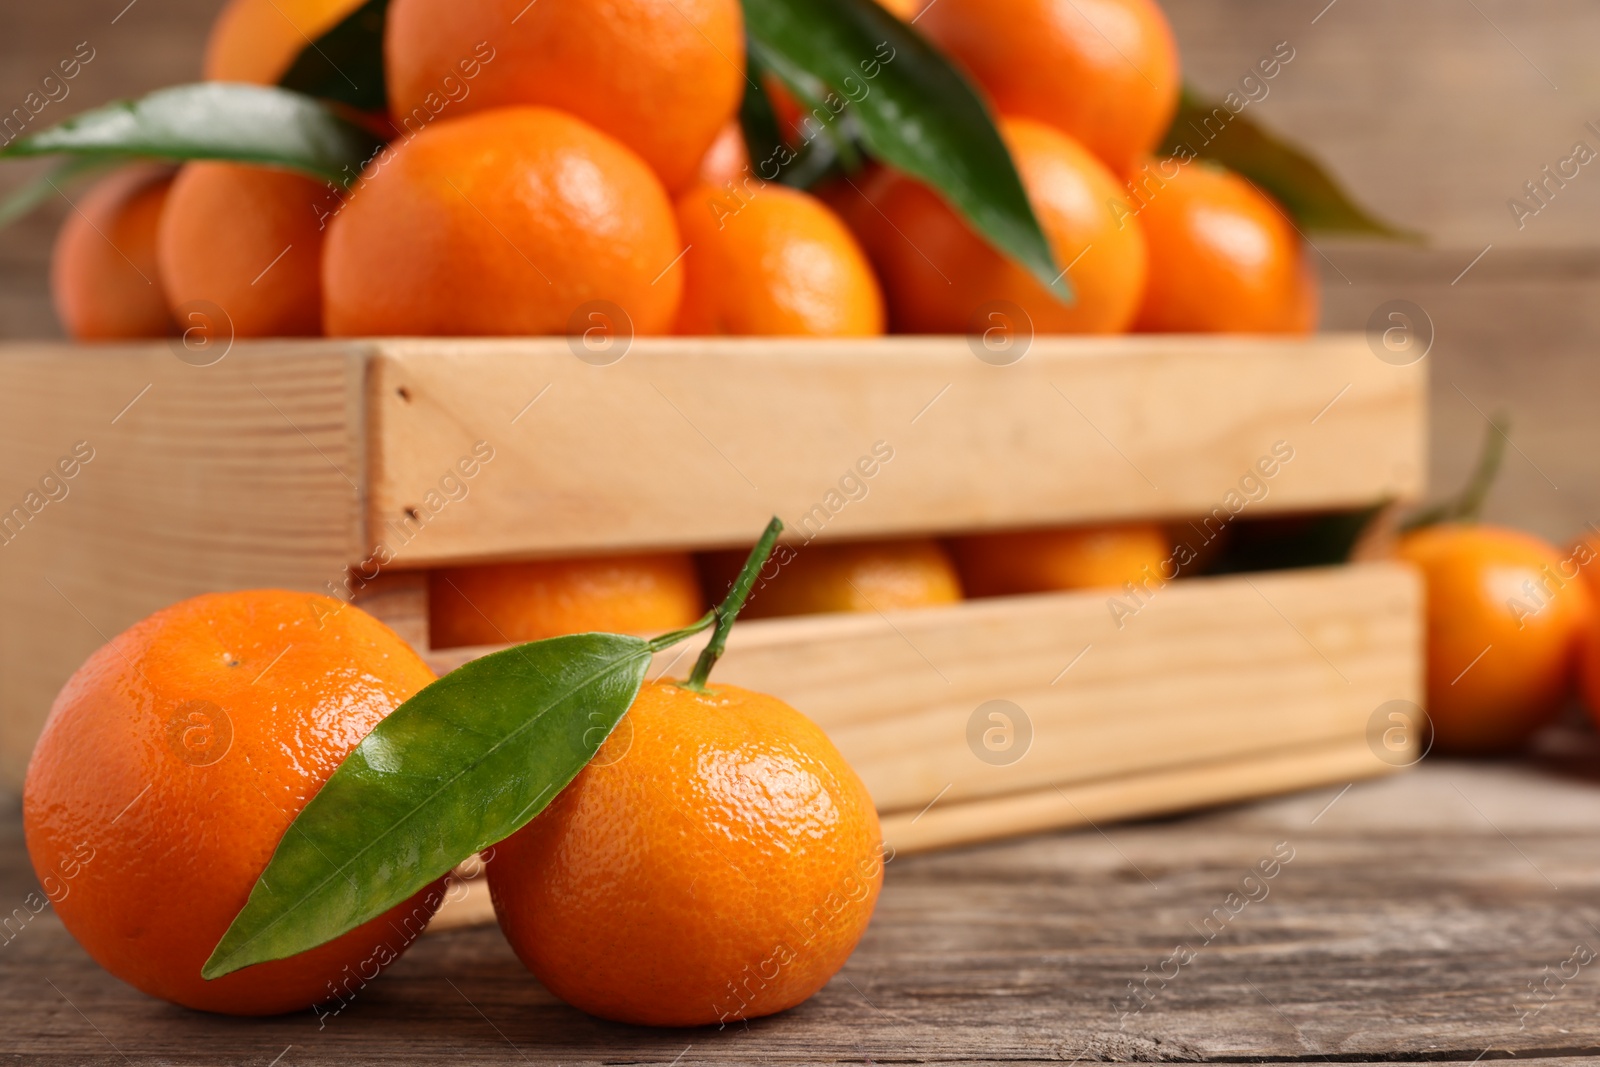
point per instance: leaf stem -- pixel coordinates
(667, 640)
(1467, 504)
(728, 610)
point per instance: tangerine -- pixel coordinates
(248, 240)
(717, 860)
(1223, 256)
(862, 576)
(511, 221)
(776, 262)
(172, 762)
(1103, 71)
(941, 277)
(103, 272)
(661, 76)
(1503, 626)
(502, 603)
(1084, 557)
(257, 41)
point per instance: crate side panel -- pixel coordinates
(687, 443)
(1207, 669)
(244, 473)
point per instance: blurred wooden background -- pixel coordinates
(1433, 112)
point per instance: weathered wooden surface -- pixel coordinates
(1409, 924)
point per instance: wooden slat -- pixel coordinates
(1218, 689)
(696, 442)
(241, 474)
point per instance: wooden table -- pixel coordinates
(1415, 921)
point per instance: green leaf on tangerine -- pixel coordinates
(1294, 178)
(914, 110)
(214, 120)
(461, 765)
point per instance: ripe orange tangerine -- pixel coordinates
(862, 576)
(773, 261)
(1224, 258)
(718, 860)
(173, 761)
(103, 272)
(1503, 629)
(501, 603)
(940, 277)
(1103, 71)
(257, 40)
(1084, 557)
(661, 76)
(511, 221)
(247, 240)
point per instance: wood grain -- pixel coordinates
(694, 443)
(1406, 928)
(242, 474)
(1217, 690)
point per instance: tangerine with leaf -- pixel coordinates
(173, 762)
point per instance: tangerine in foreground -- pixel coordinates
(717, 860)
(171, 764)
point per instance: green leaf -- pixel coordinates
(458, 767)
(345, 63)
(1296, 180)
(214, 120)
(914, 110)
(53, 182)
(809, 164)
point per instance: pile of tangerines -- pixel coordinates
(546, 160)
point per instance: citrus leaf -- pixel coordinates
(51, 183)
(458, 767)
(1295, 179)
(346, 62)
(214, 120)
(915, 111)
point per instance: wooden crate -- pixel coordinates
(321, 465)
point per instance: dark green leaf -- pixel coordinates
(53, 182)
(346, 63)
(1298, 182)
(458, 767)
(214, 120)
(913, 109)
(771, 158)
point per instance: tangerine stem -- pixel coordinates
(728, 610)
